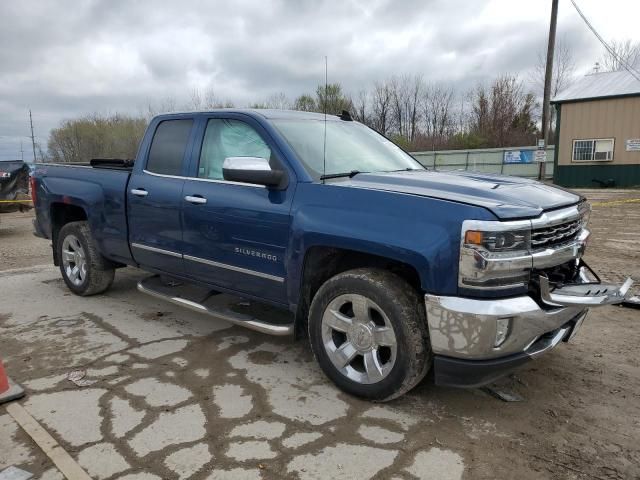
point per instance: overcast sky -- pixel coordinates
(68, 58)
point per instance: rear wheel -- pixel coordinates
(368, 331)
(83, 269)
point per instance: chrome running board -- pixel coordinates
(221, 306)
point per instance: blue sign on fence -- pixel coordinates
(518, 156)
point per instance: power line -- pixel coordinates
(620, 60)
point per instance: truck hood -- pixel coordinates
(506, 197)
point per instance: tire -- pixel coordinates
(349, 322)
(83, 269)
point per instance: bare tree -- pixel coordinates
(361, 107)
(381, 107)
(164, 105)
(278, 101)
(564, 67)
(502, 115)
(439, 119)
(624, 53)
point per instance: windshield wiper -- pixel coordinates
(350, 174)
(408, 169)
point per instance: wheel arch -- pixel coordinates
(61, 214)
(321, 262)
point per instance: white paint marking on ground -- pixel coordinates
(302, 394)
(232, 401)
(76, 414)
(188, 461)
(437, 463)
(15, 473)
(235, 474)
(102, 460)
(302, 438)
(183, 425)
(379, 435)
(60, 458)
(259, 429)
(202, 372)
(140, 476)
(158, 394)
(387, 413)
(250, 450)
(44, 383)
(342, 462)
(124, 417)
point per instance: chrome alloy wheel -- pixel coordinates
(359, 338)
(74, 260)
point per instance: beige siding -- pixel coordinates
(617, 118)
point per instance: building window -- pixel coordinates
(596, 149)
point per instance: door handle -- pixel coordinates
(196, 199)
(139, 192)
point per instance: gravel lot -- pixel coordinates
(179, 395)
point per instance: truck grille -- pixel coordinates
(555, 235)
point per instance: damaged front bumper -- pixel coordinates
(476, 341)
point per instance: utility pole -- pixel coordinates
(548, 75)
(21, 151)
(33, 140)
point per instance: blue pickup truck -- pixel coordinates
(390, 269)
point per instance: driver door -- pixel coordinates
(235, 234)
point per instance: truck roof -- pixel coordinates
(259, 112)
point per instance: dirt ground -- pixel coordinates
(180, 395)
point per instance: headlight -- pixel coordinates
(507, 241)
(495, 255)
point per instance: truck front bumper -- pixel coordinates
(468, 336)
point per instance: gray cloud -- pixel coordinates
(64, 59)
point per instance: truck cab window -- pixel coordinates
(228, 138)
(168, 147)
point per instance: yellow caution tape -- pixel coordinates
(15, 201)
(616, 202)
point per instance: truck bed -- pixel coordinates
(100, 192)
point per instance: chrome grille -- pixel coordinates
(555, 235)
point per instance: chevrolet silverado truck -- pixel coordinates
(392, 270)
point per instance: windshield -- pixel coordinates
(350, 147)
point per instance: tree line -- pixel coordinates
(413, 113)
(416, 114)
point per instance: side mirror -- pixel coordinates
(251, 170)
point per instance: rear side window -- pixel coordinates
(168, 147)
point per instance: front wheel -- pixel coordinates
(367, 329)
(83, 269)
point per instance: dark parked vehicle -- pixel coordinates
(391, 269)
(14, 186)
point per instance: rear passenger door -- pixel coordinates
(155, 198)
(236, 234)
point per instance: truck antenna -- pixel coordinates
(324, 149)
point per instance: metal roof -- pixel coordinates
(600, 85)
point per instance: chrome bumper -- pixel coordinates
(467, 328)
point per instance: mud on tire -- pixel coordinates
(335, 319)
(93, 273)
